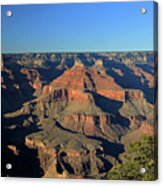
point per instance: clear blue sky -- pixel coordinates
(77, 27)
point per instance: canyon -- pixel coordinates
(74, 114)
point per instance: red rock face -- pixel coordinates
(55, 94)
(72, 79)
(68, 94)
(88, 124)
(33, 144)
(79, 79)
(47, 90)
(76, 81)
(118, 95)
(78, 95)
(85, 79)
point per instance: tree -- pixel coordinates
(141, 154)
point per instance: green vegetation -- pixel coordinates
(139, 155)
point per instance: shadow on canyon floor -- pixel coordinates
(112, 107)
(26, 163)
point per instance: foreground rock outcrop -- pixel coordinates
(67, 157)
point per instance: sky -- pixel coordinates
(83, 27)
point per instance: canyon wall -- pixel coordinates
(67, 162)
(88, 124)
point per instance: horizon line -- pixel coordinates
(112, 51)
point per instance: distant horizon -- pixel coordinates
(71, 52)
(78, 27)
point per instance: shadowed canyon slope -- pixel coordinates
(73, 114)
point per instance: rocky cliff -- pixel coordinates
(65, 157)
